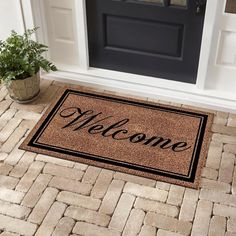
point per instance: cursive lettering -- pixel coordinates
(78, 119)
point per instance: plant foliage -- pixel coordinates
(21, 57)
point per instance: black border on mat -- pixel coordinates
(190, 177)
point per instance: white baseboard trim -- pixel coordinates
(209, 99)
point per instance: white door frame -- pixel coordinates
(196, 94)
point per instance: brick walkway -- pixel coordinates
(42, 195)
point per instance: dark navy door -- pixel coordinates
(159, 38)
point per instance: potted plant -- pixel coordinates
(20, 61)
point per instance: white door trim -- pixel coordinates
(207, 36)
(82, 34)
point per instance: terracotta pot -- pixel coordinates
(24, 90)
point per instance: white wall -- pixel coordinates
(10, 18)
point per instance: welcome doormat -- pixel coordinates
(131, 136)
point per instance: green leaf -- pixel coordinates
(21, 57)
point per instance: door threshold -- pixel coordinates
(209, 99)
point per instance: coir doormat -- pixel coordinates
(141, 138)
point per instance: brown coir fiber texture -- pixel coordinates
(141, 138)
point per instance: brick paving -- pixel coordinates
(42, 195)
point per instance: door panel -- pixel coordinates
(222, 67)
(143, 36)
(158, 38)
(61, 26)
